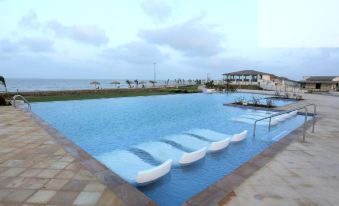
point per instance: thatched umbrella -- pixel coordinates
(95, 83)
(142, 83)
(115, 83)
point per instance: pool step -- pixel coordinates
(250, 118)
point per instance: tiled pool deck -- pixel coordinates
(38, 167)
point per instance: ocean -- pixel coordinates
(25, 85)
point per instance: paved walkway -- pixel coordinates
(35, 170)
(304, 173)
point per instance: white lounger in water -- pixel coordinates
(162, 151)
(219, 140)
(293, 113)
(239, 137)
(132, 168)
(188, 141)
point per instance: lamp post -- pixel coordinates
(154, 72)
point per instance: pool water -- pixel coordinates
(102, 126)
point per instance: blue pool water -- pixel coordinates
(104, 125)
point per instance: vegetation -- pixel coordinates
(136, 82)
(97, 94)
(286, 95)
(227, 87)
(251, 87)
(129, 83)
(197, 81)
(3, 98)
(254, 102)
(210, 84)
(3, 82)
(153, 83)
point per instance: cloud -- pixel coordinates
(35, 45)
(7, 46)
(138, 52)
(192, 38)
(38, 44)
(30, 20)
(156, 9)
(86, 34)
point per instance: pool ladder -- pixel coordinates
(23, 98)
(288, 111)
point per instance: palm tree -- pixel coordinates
(153, 82)
(3, 82)
(129, 83)
(136, 82)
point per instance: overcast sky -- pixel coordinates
(187, 39)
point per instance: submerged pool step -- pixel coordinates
(250, 118)
(162, 151)
(133, 169)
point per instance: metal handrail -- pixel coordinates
(23, 98)
(288, 111)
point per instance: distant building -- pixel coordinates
(248, 76)
(264, 80)
(320, 83)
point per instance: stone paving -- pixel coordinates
(303, 173)
(36, 170)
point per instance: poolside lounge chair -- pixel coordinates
(293, 113)
(218, 140)
(162, 151)
(239, 137)
(133, 169)
(187, 141)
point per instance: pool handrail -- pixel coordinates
(288, 111)
(23, 98)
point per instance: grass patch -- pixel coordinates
(99, 94)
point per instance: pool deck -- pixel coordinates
(38, 167)
(303, 173)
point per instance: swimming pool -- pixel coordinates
(103, 126)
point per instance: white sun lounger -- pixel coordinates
(162, 151)
(239, 137)
(219, 140)
(188, 141)
(133, 169)
(215, 136)
(293, 113)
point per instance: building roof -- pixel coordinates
(319, 78)
(247, 72)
